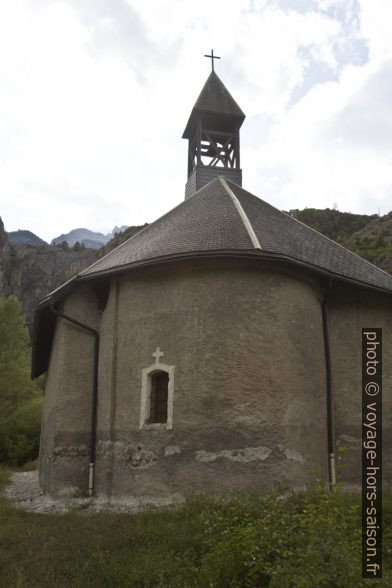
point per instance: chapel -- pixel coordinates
(217, 348)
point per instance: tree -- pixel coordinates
(20, 397)
(78, 246)
(380, 241)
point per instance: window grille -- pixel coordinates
(159, 396)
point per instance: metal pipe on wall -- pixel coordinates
(330, 419)
(93, 433)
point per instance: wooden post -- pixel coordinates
(237, 149)
(198, 142)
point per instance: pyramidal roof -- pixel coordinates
(221, 219)
(214, 98)
(224, 218)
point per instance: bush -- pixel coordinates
(307, 540)
(20, 398)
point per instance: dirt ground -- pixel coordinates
(24, 491)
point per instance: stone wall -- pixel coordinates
(249, 392)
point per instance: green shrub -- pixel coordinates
(20, 398)
(307, 540)
(4, 476)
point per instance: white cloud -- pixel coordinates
(334, 145)
(95, 95)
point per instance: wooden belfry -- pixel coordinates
(213, 133)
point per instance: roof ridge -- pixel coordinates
(144, 229)
(318, 233)
(339, 245)
(242, 214)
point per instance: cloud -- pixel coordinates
(116, 26)
(95, 96)
(333, 146)
(366, 121)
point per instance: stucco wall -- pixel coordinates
(250, 395)
(352, 309)
(48, 425)
(246, 343)
(66, 428)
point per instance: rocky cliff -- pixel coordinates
(30, 272)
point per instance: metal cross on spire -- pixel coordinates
(212, 57)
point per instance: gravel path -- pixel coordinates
(24, 491)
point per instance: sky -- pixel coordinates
(95, 95)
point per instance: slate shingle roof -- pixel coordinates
(221, 218)
(224, 217)
(279, 233)
(207, 221)
(216, 99)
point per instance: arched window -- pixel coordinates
(157, 394)
(159, 397)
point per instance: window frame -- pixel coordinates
(145, 404)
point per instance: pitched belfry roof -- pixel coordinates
(222, 217)
(214, 98)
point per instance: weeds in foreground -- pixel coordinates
(308, 539)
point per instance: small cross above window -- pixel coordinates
(157, 354)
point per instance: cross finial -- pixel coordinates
(212, 57)
(157, 354)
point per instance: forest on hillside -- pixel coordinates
(369, 236)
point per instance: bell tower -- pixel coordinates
(213, 133)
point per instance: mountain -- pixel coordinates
(374, 242)
(332, 223)
(24, 238)
(120, 237)
(87, 238)
(84, 237)
(370, 236)
(121, 229)
(30, 271)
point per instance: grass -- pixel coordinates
(307, 540)
(4, 476)
(29, 466)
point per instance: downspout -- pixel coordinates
(93, 434)
(330, 420)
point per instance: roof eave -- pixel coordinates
(196, 113)
(238, 253)
(39, 364)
